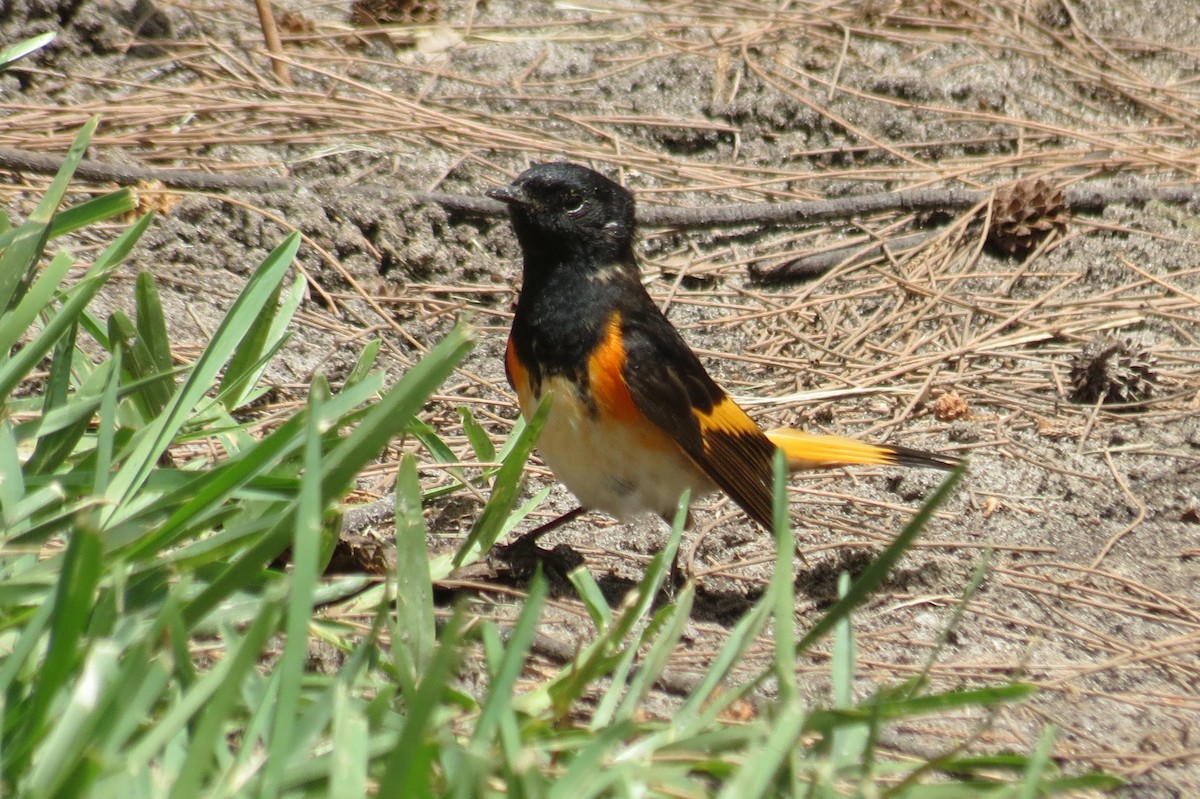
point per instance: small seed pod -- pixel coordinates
(1113, 370)
(371, 13)
(1024, 213)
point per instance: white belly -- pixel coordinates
(622, 470)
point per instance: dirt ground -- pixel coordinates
(1093, 512)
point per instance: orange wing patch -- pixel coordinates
(726, 417)
(738, 457)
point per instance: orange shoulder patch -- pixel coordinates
(518, 376)
(606, 376)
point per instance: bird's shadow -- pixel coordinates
(817, 581)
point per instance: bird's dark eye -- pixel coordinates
(574, 203)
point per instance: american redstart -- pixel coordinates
(635, 418)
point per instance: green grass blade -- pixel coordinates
(15, 322)
(15, 52)
(14, 370)
(159, 434)
(873, 576)
(706, 702)
(385, 419)
(480, 440)
(584, 776)
(592, 597)
(19, 259)
(89, 212)
(240, 373)
(394, 411)
(221, 688)
(351, 731)
(1039, 764)
(655, 660)
(306, 568)
(73, 730)
(490, 524)
(362, 367)
(848, 744)
(53, 446)
(153, 336)
(782, 586)
(762, 763)
(504, 677)
(20, 256)
(12, 485)
(72, 604)
(211, 490)
(152, 395)
(107, 429)
(408, 763)
(414, 585)
(62, 179)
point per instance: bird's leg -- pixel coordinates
(523, 554)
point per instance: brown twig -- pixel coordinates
(1085, 198)
(18, 160)
(809, 266)
(266, 18)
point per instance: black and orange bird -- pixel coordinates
(635, 418)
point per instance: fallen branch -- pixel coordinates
(1087, 198)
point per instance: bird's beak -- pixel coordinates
(509, 195)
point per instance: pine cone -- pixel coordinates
(1113, 370)
(370, 13)
(1024, 213)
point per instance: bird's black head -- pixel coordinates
(566, 213)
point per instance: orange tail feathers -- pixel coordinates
(808, 451)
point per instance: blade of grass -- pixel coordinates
(221, 688)
(240, 372)
(1039, 763)
(138, 363)
(72, 603)
(385, 418)
(16, 321)
(107, 428)
(89, 212)
(782, 586)
(72, 733)
(504, 678)
(158, 435)
(848, 743)
(306, 568)
(362, 367)
(414, 585)
(351, 732)
(480, 440)
(15, 52)
(26, 359)
(584, 776)
(211, 490)
(408, 763)
(53, 446)
(487, 527)
(12, 485)
(656, 659)
(152, 332)
(876, 572)
(20, 256)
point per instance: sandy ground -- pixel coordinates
(1093, 593)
